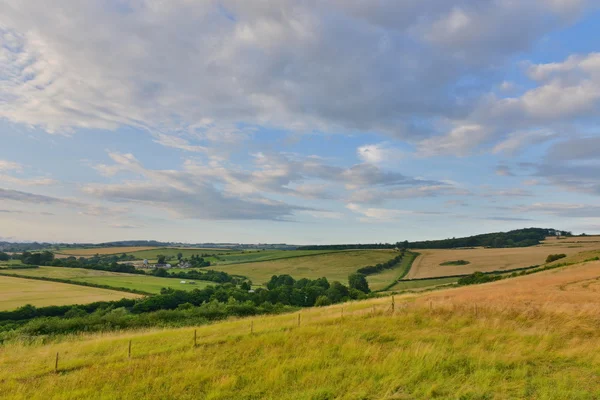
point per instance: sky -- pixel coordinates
(279, 121)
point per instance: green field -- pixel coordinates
(383, 279)
(150, 284)
(17, 292)
(224, 257)
(333, 266)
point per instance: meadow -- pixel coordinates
(468, 343)
(149, 284)
(16, 292)
(333, 266)
(427, 265)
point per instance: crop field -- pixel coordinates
(480, 259)
(532, 337)
(333, 266)
(152, 254)
(421, 284)
(150, 284)
(573, 289)
(99, 250)
(17, 292)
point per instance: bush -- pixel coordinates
(322, 301)
(554, 257)
(478, 277)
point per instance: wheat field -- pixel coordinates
(427, 265)
(16, 292)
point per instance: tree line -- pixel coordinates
(515, 238)
(283, 293)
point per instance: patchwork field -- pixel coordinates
(17, 292)
(99, 250)
(480, 259)
(150, 284)
(532, 337)
(333, 266)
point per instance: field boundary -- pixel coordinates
(88, 284)
(298, 256)
(412, 256)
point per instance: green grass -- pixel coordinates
(268, 255)
(383, 280)
(10, 262)
(150, 284)
(333, 266)
(17, 292)
(413, 354)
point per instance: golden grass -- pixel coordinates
(450, 351)
(101, 251)
(574, 290)
(427, 265)
(16, 292)
(333, 266)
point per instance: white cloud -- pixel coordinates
(10, 166)
(186, 68)
(380, 153)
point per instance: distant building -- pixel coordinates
(184, 264)
(165, 266)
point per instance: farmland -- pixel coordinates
(531, 337)
(333, 266)
(149, 284)
(99, 250)
(482, 259)
(16, 292)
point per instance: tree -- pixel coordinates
(359, 281)
(4, 256)
(179, 256)
(160, 259)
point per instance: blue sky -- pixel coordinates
(297, 122)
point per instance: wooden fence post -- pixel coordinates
(195, 342)
(129, 351)
(56, 364)
(393, 304)
(430, 305)
(373, 310)
(298, 319)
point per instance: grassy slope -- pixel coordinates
(449, 352)
(334, 266)
(16, 292)
(148, 284)
(384, 279)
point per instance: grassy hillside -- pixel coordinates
(333, 266)
(432, 346)
(150, 284)
(16, 292)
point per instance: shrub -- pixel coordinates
(322, 301)
(554, 257)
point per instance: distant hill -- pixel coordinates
(516, 238)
